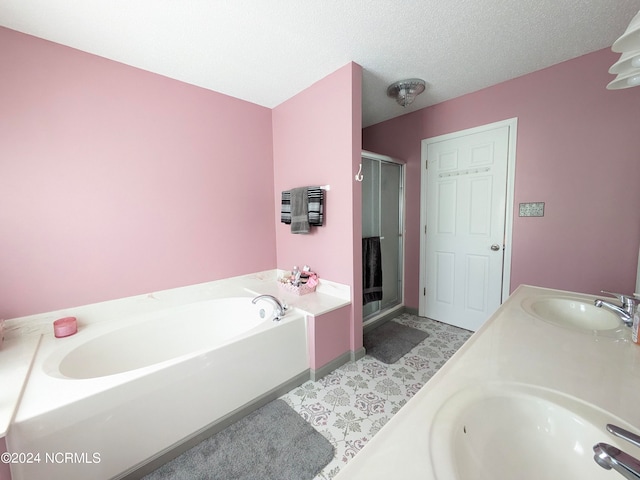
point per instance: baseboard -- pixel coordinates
(191, 441)
(411, 311)
(358, 354)
(370, 325)
(330, 367)
(351, 356)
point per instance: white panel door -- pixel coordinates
(465, 226)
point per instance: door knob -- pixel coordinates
(495, 247)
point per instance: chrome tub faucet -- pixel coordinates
(279, 308)
(624, 311)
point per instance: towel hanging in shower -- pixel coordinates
(371, 270)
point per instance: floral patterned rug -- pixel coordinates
(350, 405)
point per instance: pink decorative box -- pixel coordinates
(301, 290)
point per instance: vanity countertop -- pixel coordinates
(512, 347)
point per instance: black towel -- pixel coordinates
(316, 206)
(371, 270)
(285, 208)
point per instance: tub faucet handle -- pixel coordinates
(279, 308)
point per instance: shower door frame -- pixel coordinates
(396, 308)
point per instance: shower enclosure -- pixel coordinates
(382, 216)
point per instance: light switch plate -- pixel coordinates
(532, 209)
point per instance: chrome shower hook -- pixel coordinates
(359, 176)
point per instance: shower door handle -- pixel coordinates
(495, 247)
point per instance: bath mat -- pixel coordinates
(391, 341)
(271, 443)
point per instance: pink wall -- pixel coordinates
(328, 337)
(317, 141)
(115, 181)
(577, 151)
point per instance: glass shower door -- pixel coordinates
(382, 202)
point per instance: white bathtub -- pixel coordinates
(119, 394)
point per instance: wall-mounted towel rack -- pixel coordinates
(315, 205)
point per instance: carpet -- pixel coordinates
(391, 341)
(271, 443)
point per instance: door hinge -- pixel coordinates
(424, 291)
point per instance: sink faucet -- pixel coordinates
(280, 308)
(625, 312)
(609, 457)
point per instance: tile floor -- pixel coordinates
(351, 404)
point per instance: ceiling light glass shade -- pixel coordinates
(627, 61)
(630, 39)
(405, 91)
(627, 68)
(625, 80)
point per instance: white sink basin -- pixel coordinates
(514, 431)
(573, 313)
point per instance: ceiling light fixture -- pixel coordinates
(627, 68)
(405, 91)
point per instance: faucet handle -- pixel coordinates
(624, 434)
(626, 300)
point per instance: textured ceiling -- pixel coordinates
(267, 51)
